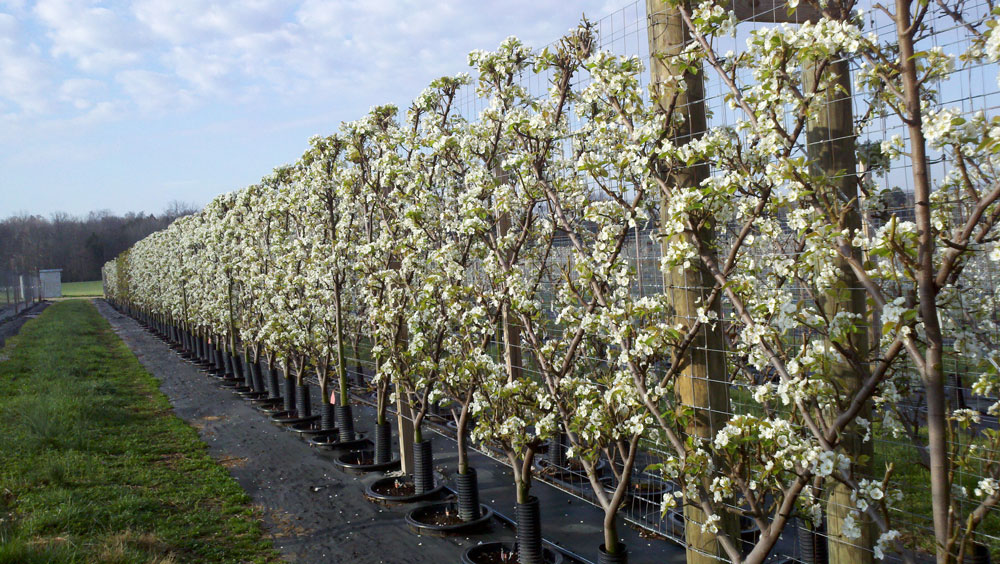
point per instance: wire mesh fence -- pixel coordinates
(20, 291)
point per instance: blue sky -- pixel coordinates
(127, 106)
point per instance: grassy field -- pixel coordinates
(82, 289)
(95, 468)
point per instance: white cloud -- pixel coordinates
(25, 76)
(199, 21)
(96, 38)
(153, 92)
(81, 92)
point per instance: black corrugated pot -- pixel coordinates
(468, 495)
(529, 532)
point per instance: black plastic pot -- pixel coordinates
(302, 403)
(812, 544)
(345, 419)
(557, 451)
(648, 493)
(468, 495)
(268, 403)
(327, 419)
(273, 390)
(230, 382)
(349, 462)
(258, 378)
(227, 364)
(333, 442)
(620, 557)
(311, 428)
(238, 370)
(419, 519)
(980, 554)
(529, 532)
(749, 533)
(247, 372)
(383, 442)
(372, 493)
(220, 364)
(675, 523)
(251, 395)
(289, 393)
(423, 466)
(477, 554)
(566, 473)
(292, 418)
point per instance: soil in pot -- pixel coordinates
(445, 519)
(398, 487)
(362, 461)
(392, 490)
(502, 553)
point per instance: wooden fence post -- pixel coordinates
(702, 384)
(831, 148)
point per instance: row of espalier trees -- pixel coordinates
(464, 250)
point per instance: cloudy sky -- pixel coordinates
(128, 105)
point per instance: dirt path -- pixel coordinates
(313, 512)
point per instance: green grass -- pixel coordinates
(94, 288)
(94, 466)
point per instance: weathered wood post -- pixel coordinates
(831, 148)
(702, 383)
(511, 330)
(404, 415)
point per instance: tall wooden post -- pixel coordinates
(831, 148)
(511, 330)
(404, 415)
(702, 384)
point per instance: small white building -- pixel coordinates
(51, 282)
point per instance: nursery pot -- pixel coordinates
(326, 421)
(302, 404)
(227, 364)
(423, 467)
(557, 451)
(258, 378)
(468, 495)
(529, 532)
(289, 393)
(345, 421)
(273, 390)
(812, 544)
(620, 557)
(239, 369)
(247, 372)
(383, 442)
(977, 554)
(490, 550)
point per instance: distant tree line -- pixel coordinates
(78, 245)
